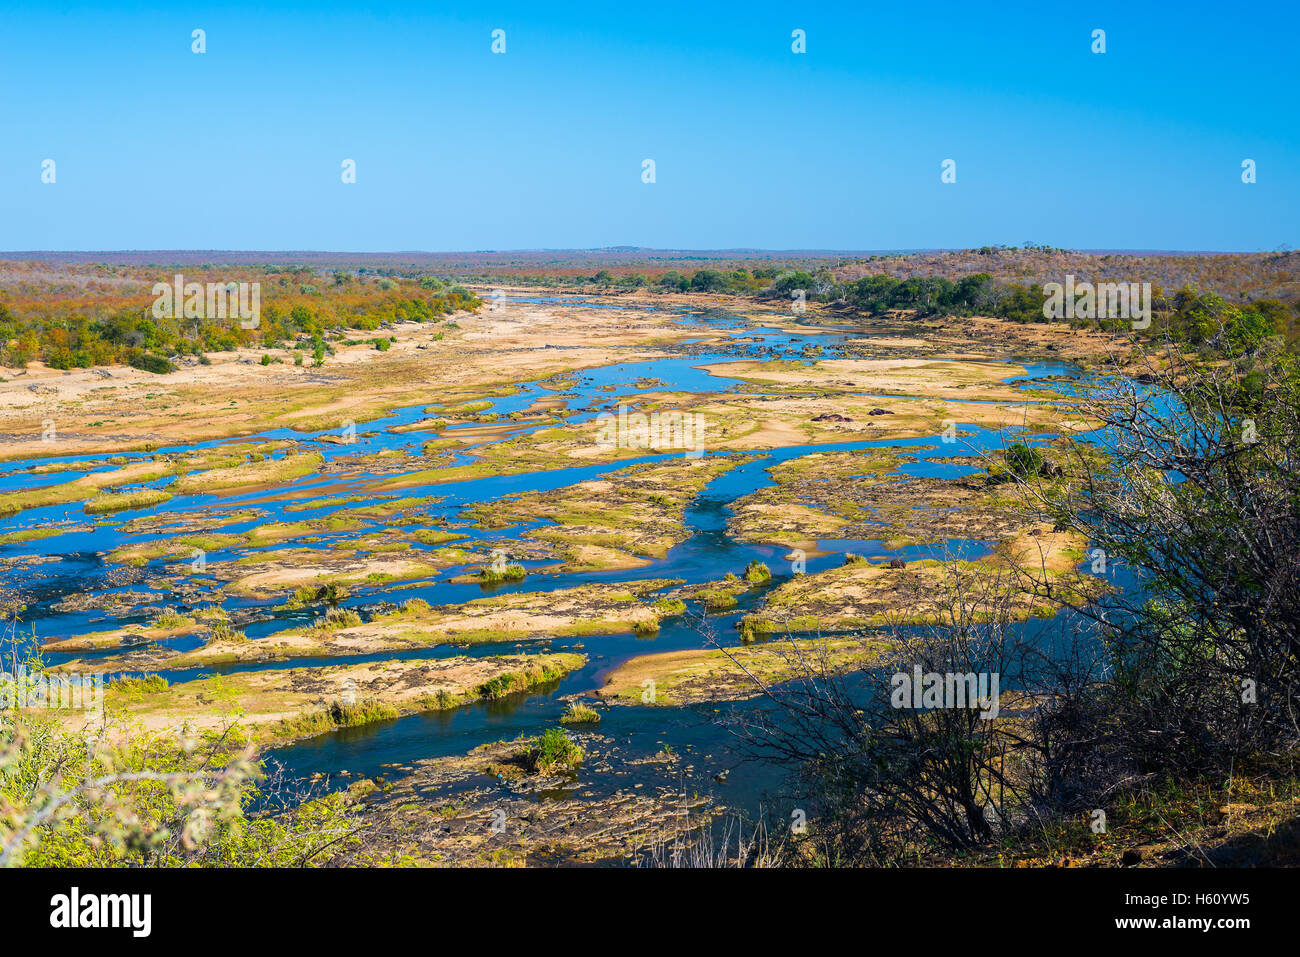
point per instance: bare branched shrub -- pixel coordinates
(886, 780)
(1191, 494)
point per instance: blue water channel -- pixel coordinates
(708, 554)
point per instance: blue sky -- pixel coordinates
(458, 148)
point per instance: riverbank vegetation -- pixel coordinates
(1187, 312)
(1193, 294)
(96, 314)
(1142, 700)
(79, 327)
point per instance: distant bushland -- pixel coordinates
(90, 327)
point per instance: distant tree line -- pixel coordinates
(1187, 315)
(83, 335)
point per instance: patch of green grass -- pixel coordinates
(364, 712)
(477, 636)
(496, 576)
(331, 592)
(28, 535)
(11, 503)
(553, 751)
(441, 700)
(116, 502)
(323, 503)
(131, 688)
(588, 627)
(579, 713)
(223, 633)
(269, 472)
(714, 599)
(172, 619)
(336, 715)
(336, 619)
(513, 681)
(667, 607)
(751, 626)
(435, 536)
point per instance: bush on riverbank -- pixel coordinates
(553, 751)
(74, 800)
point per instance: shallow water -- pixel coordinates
(708, 554)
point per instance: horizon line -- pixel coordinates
(42, 254)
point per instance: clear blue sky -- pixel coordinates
(460, 149)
